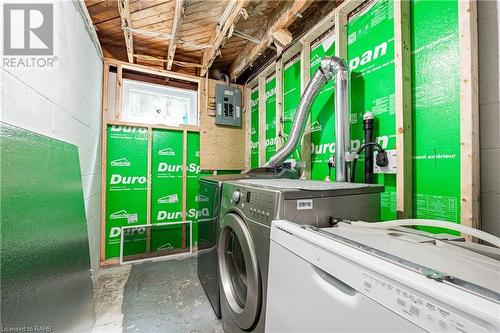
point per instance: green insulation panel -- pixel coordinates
(195, 211)
(254, 124)
(291, 98)
(370, 50)
(322, 114)
(127, 201)
(126, 188)
(166, 187)
(435, 101)
(436, 110)
(371, 63)
(270, 118)
(45, 275)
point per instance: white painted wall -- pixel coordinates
(489, 113)
(64, 103)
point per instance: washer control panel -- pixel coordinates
(236, 196)
(260, 205)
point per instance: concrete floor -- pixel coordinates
(161, 296)
(108, 298)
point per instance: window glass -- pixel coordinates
(155, 104)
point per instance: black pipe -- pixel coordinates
(368, 127)
(382, 154)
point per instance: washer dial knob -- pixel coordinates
(236, 196)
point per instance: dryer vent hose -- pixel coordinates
(431, 223)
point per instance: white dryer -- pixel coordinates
(351, 279)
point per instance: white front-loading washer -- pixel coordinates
(247, 209)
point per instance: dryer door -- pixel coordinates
(239, 271)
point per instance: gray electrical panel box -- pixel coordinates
(227, 105)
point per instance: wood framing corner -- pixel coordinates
(105, 81)
(469, 115)
(402, 70)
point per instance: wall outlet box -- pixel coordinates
(392, 166)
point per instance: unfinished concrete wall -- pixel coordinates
(64, 103)
(489, 113)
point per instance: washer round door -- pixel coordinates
(239, 271)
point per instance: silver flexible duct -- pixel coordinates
(330, 67)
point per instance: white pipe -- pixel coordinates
(431, 223)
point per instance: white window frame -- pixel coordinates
(150, 88)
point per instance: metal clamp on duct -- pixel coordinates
(330, 67)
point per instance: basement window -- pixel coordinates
(148, 103)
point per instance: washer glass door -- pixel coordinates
(239, 271)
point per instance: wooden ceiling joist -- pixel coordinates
(282, 18)
(231, 15)
(157, 59)
(176, 28)
(124, 9)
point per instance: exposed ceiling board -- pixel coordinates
(176, 28)
(196, 29)
(229, 17)
(281, 18)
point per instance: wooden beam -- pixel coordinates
(176, 28)
(190, 128)
(219, 37)
(175, 62)
(123, 8)
(184, 187)
(402, 70)
(104, 137)
(305, 76)
(340, 34)
(262, 120)
(279, 104)
(152, 70)
(118, 92)
(280, 20)
(469, 109)
(281, 39)
(248, 126)
(148, 193)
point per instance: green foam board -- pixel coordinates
(45, 275)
